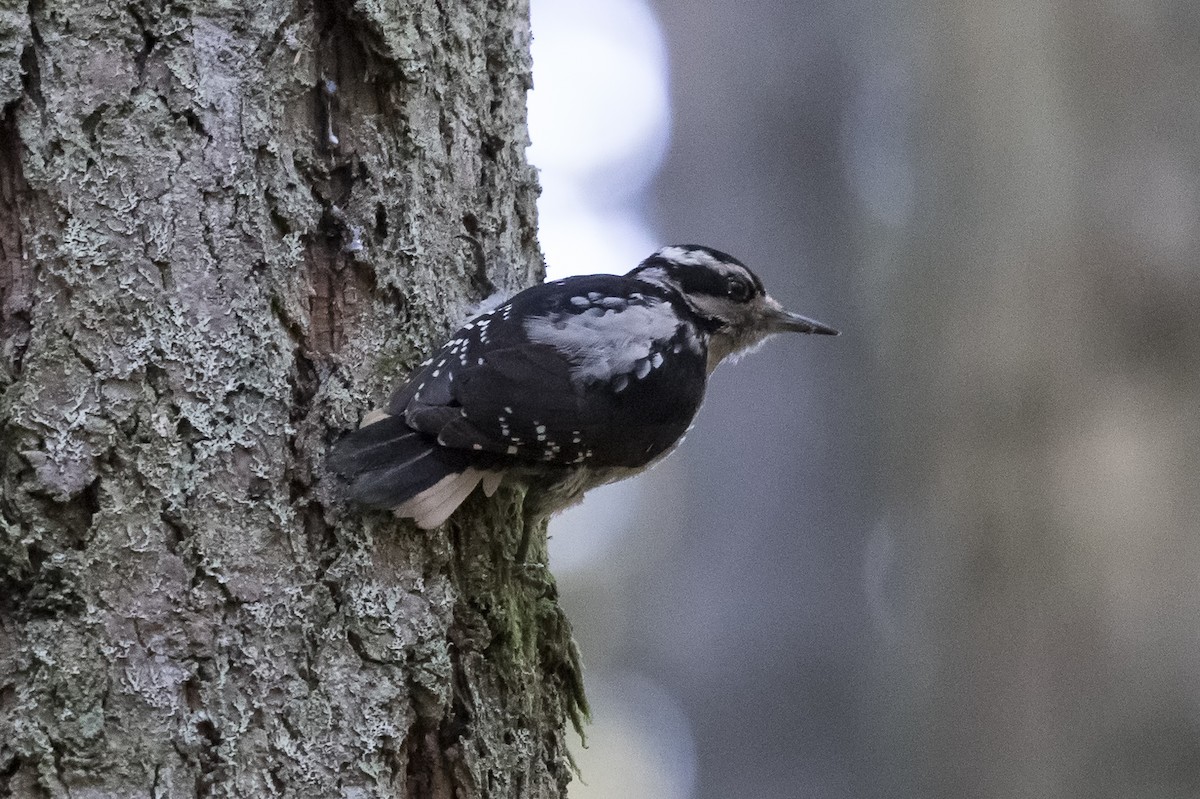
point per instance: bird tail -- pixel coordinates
(387, 464)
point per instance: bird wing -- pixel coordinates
(597, 376)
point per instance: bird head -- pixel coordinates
(727, 299)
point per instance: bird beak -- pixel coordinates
(783, 321)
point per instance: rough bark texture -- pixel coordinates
(225, 230)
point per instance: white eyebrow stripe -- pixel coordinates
(704, 259)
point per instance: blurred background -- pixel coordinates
(954, 552)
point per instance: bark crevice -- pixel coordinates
(245, 226)
(16, 270)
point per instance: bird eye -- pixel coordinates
(738, 290)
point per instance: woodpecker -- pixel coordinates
(566, 386)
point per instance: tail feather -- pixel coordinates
(389, 486)
(464, 484)
(491, 482)
(381, 443)
(434, 505)
(387, 463)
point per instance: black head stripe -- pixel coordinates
(696, 269)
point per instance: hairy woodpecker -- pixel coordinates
(567, 386)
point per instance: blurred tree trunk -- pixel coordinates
(1036, 407)
(224, 231)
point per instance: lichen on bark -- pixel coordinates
(225, 230)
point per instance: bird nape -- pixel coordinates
(567, 386)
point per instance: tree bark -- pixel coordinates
(224, 233)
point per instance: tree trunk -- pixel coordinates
(224, 233)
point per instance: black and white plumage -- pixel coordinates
(568, 385)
